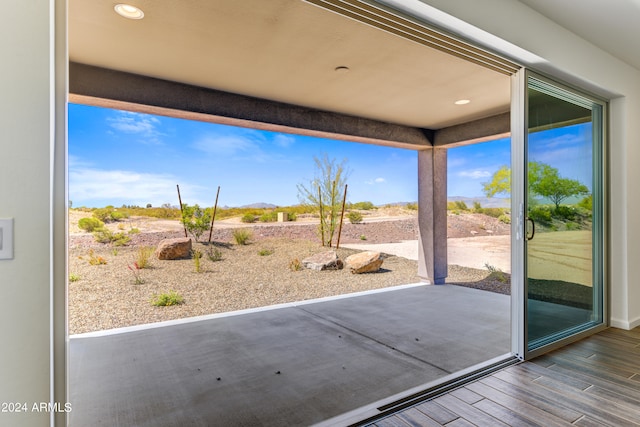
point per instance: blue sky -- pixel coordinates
(118, 157)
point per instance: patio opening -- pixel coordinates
(258, 338)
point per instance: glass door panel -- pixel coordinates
(564, 286)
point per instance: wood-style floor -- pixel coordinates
(594, 382)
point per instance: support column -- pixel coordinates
(432, 215)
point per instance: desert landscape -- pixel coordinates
(107, 290)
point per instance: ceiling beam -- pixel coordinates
(482, 130)
(116, 89)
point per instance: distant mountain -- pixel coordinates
(485, 202)
(260, 206)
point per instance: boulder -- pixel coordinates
(364, 262)
(174, 248)
(323, 261)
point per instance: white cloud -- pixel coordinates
(143, 125)
(284, 141)
(376, 181)
(475, 174)
(119, 186)
(225, 145)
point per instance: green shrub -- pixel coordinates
(103, 214)
(365, 206)
(73, 277)
(355, 217)
(492, 212)
(248, 218)
(143, 256)
(197, 256)
(117, 215)
(241, 236)
(167, 298)
(214, 254)
(363, 237)
(505, 218)
(265, 252)
(104, 235)
(90, 224)
(268, 217)
(565, 213)
(540, 213)
(412, 206)
(476, 205)
(572, 226)
(461, 205)
(496, 273)
(196, 220)
(134, 230)
(587, 203)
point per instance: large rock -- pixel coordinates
(174, 248)
(364, 262)
(323, 261)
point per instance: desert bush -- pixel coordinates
(505, 218)
(197, 256)
(241, 236)
(572, 226)
(355, 217)
(248, 218)
(143, 256)
(365, 206)
(95, 259)
(457, 206)
(214, 254)
(195, 220)
(73, 277)
(265, 252)
(268, 217)
(363, 237)
(167, 298)
(135, 270)
(104, 235)
(540, 213)
(134, 230)
(496, 273)
(90, 224)
(476, 205)
(492, 212)
(295, 265)
(412, 206)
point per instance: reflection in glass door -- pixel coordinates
(564, 214)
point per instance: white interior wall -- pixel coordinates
(27, 88)
(25, 143)
(516, 31)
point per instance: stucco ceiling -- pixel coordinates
(612, 25)
(287, 51)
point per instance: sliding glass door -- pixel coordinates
(562, 213)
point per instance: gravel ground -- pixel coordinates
(106, 296)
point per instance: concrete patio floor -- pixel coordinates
(294, 365)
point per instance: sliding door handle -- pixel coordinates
(533, 229)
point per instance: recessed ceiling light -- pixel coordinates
(128, 11)
(342, 69)
(462, 102)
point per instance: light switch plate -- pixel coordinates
(6, 238)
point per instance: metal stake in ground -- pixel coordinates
(215, 207)
(344, 201)
(181, 211)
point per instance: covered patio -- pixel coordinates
(295, 364)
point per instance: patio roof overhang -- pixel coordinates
(367, 76)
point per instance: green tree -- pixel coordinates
(500, 182)
(544, 181)
(195, 220)
(323, 193)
